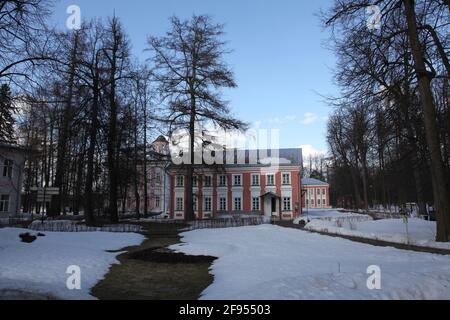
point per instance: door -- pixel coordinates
(274, 205)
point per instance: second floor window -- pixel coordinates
(271, 180)
(180, 181)
(286, 179)
(237, 180)
(208, 181)
(8, 168)
(222, 181)
(256, 180)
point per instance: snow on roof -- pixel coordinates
(313, 182)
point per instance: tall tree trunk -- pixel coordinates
(89, 205)
(440, 187)
(59, 200)
(112, 130)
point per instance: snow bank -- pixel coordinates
(39, 269)
(420, 232)
(270, 263)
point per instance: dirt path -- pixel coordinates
(149, 272)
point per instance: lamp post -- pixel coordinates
(44, 204)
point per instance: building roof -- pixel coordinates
(313, 182)
(10, 146)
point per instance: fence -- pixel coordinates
(70, 226)
(226, 223)
(16, 220)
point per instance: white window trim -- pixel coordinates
(284, 204)
(253, 204)
(240, 179)
(290, 178)
(177, 180)
(204, 181)
(210, 204)
(274, 179)
(5, 202)
(235, 202)
(219, 202)
(259, 180)
(176, 204)
(218, 181)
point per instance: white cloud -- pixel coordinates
(283, 120)
(309, 150)
(309, 118)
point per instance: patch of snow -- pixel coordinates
(420, 232)
(271, 263)
(39, 269)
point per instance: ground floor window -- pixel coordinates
(208, 204)
(237, 204)
(195, 203)
(287, 204)
(223, 204)
(4, 203)
(255, 203)
(318, 202)
(179, 204)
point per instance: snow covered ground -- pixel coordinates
(270, 262)
(38, 270)
(420, 232)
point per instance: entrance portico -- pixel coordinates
(272, 204)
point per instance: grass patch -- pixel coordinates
(150, 272)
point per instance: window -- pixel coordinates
(180, 181)
(223, 204)
(286, 179)
(195, 182)
(8, 168)
(271, 180)
(237, 180)
(208, 204)
(4, 203)
(237, 204)
(256, 180)
(179, 204)
(157, 201)
(195, 203)
(222, 181)
(323, 191)
(158, 178)
(318, 202)
(208, 181)
(255, 204)
(287, 204)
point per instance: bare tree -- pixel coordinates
(189, 66)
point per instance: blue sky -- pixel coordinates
(278, 56)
